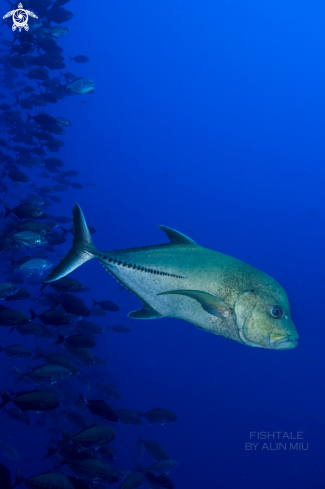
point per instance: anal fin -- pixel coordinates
(147, 312)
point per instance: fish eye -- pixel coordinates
(276, 312)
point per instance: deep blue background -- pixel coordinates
(207, 117)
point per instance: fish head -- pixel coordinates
(13, 289)
(262, 318)
(41, 239)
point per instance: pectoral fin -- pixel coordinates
(210, 303)
(147, 312)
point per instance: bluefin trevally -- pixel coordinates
(180, 279)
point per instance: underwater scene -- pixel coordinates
(178, 146)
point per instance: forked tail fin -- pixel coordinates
(82, 250)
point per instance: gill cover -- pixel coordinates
(244, 308)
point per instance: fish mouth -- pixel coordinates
(282, 342)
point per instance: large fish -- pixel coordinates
(183, 280)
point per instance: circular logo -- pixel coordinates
(20, 18)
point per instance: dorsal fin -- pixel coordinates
(176, 237)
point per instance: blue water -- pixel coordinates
(207, 117)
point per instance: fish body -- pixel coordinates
(20, 295)
(78, 341)
(26, 211)
(34, 266)
(52, 317)
(153, 449)
(81, 86)
(56, 359)
(111, 391)
(76, 419)
(180, 279)
(160, 415)
(32, 401)
(94, 436)
(86, 327)
(131, 418)
(133, 481)
(49, 480)
(35, 227)
(120, 328)
(16, 351)
(94, 470)
(162, 466)
(75, 307)
(100, 408)
(105, 305)
(45, 373)
(59, 31)
(80, 58)
(15, 413)
(7, 289)
(12, 317)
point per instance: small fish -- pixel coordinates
(63, 121)
(111, 391)
(59, 31)
(32, 401)
(77, 341)
(120, 328)
(66, 284)
(86, 327)
(75, 307)
(80, 58)
(81, 354)
(45, 373)
(162, 467)
(15, 413)
(153, 449)
(92, 437)
(17, 176)
(42, 119)
(48, 480)
(28, 239)
(12, 317)
(30, 329)
(25, 211)
(106, 305)
(51, 317)
(34, 266)
(126, 416)
(94, 470)
(81, 86)
(7, 289)
(57, 359)
(96, 311)
(35, 226)
(16, 351)
(133, 481)
(160, 415)
(100, 408)
(22, 294)
(76, 419)
(161, 481)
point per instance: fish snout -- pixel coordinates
(283, 342)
